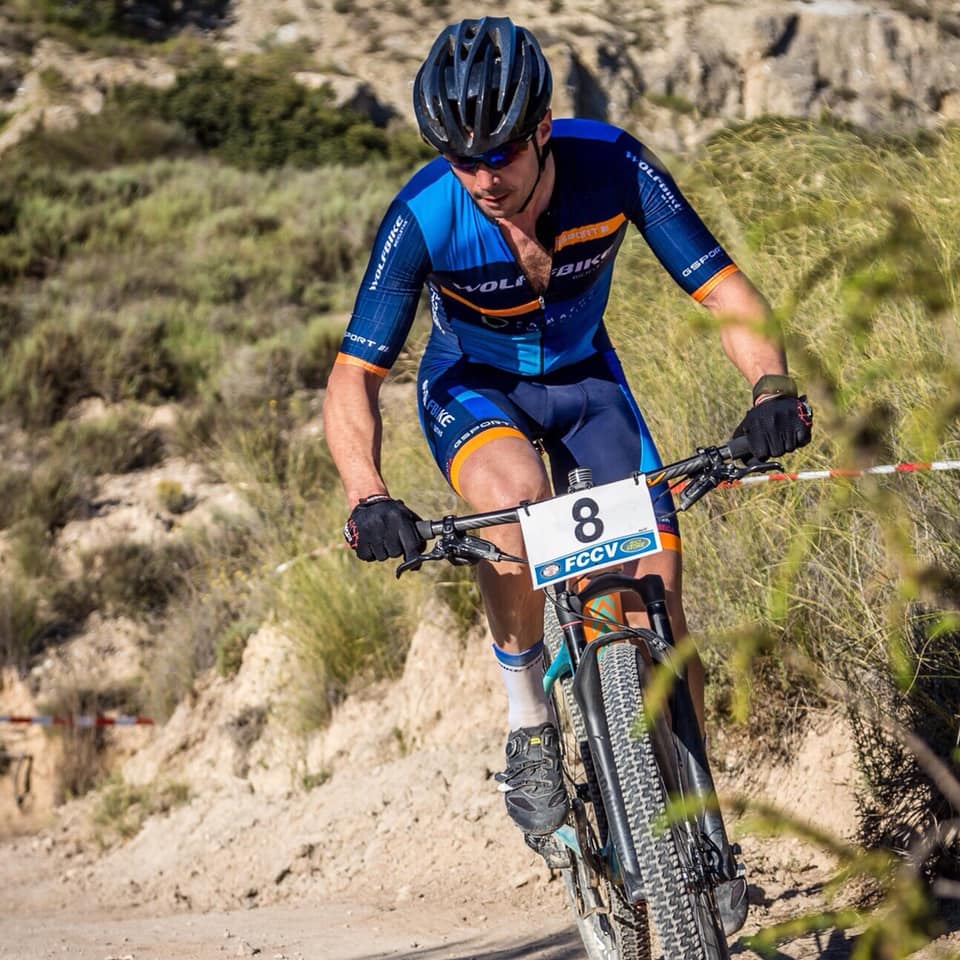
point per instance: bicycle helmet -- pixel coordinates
(485, 82)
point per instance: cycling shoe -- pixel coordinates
(532, 783)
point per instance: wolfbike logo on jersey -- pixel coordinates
(581, 266)
(488, 286)
(440, 414)
(589, 526)
(393, 238)
(657, 178)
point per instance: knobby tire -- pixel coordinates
(622, 932)
(684, 913)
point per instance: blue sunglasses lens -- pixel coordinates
(495, 159)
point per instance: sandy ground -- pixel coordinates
(381, 836)
(55, 910)
(401, 853)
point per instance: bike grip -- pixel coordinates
(738, 448)
(425, 529)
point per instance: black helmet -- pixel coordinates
(484, 82)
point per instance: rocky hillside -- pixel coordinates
(675, 71)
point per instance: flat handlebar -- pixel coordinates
(704, 459)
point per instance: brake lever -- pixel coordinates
(459, 549)
(475, 549)
(722, 472)
(760, 466)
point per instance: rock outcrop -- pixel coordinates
(675, 72)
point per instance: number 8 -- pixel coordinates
(585, 513)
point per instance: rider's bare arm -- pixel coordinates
(353, 428)
(743, 313)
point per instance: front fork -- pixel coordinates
(584, 666)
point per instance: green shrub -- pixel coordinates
(256, 116)
(231, 645)
(224, 588)
(115, 443)
(56, 494)
(54, 82)
(31, 543)
(126, 18)
(13, 482)
(106, 140)
(351, 624)
(59, 363)
(122, 808)
(173, 498)
(72, 601)
(19, 622)
(136, 578)
(47, 373)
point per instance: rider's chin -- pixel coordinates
(492, 205)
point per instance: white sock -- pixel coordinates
(523, 678)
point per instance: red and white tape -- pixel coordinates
(79, 720)
(886, 468)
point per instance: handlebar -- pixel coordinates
(705, 470)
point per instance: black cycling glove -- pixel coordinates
(380, 527)
(776, 425)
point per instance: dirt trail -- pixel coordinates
(402, 850)
(52, 912)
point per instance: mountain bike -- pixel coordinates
(645, 839)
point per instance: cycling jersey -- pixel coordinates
(504, 361)
(482, 306)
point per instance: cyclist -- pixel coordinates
(513, 230)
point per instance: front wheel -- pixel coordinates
(610, 927)
(679, 898)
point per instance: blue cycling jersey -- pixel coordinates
(482, 305)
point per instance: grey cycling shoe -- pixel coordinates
(732, 903)
(532, 783)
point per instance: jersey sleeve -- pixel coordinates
(675, 233)
(387, 300)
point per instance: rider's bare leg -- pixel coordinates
(500, 474)
(668, 566)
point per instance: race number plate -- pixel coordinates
(589, 530)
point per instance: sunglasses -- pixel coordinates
(495, 159)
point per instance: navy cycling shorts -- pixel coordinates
(582, 415)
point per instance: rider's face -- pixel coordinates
(500, 193)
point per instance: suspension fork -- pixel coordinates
(587, 692)
(691, 750)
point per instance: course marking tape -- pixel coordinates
(79, 720)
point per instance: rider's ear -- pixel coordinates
(544, 127)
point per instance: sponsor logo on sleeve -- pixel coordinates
(393, 238)
(700, 261)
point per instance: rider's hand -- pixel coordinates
(380, 527)
(779, 421)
